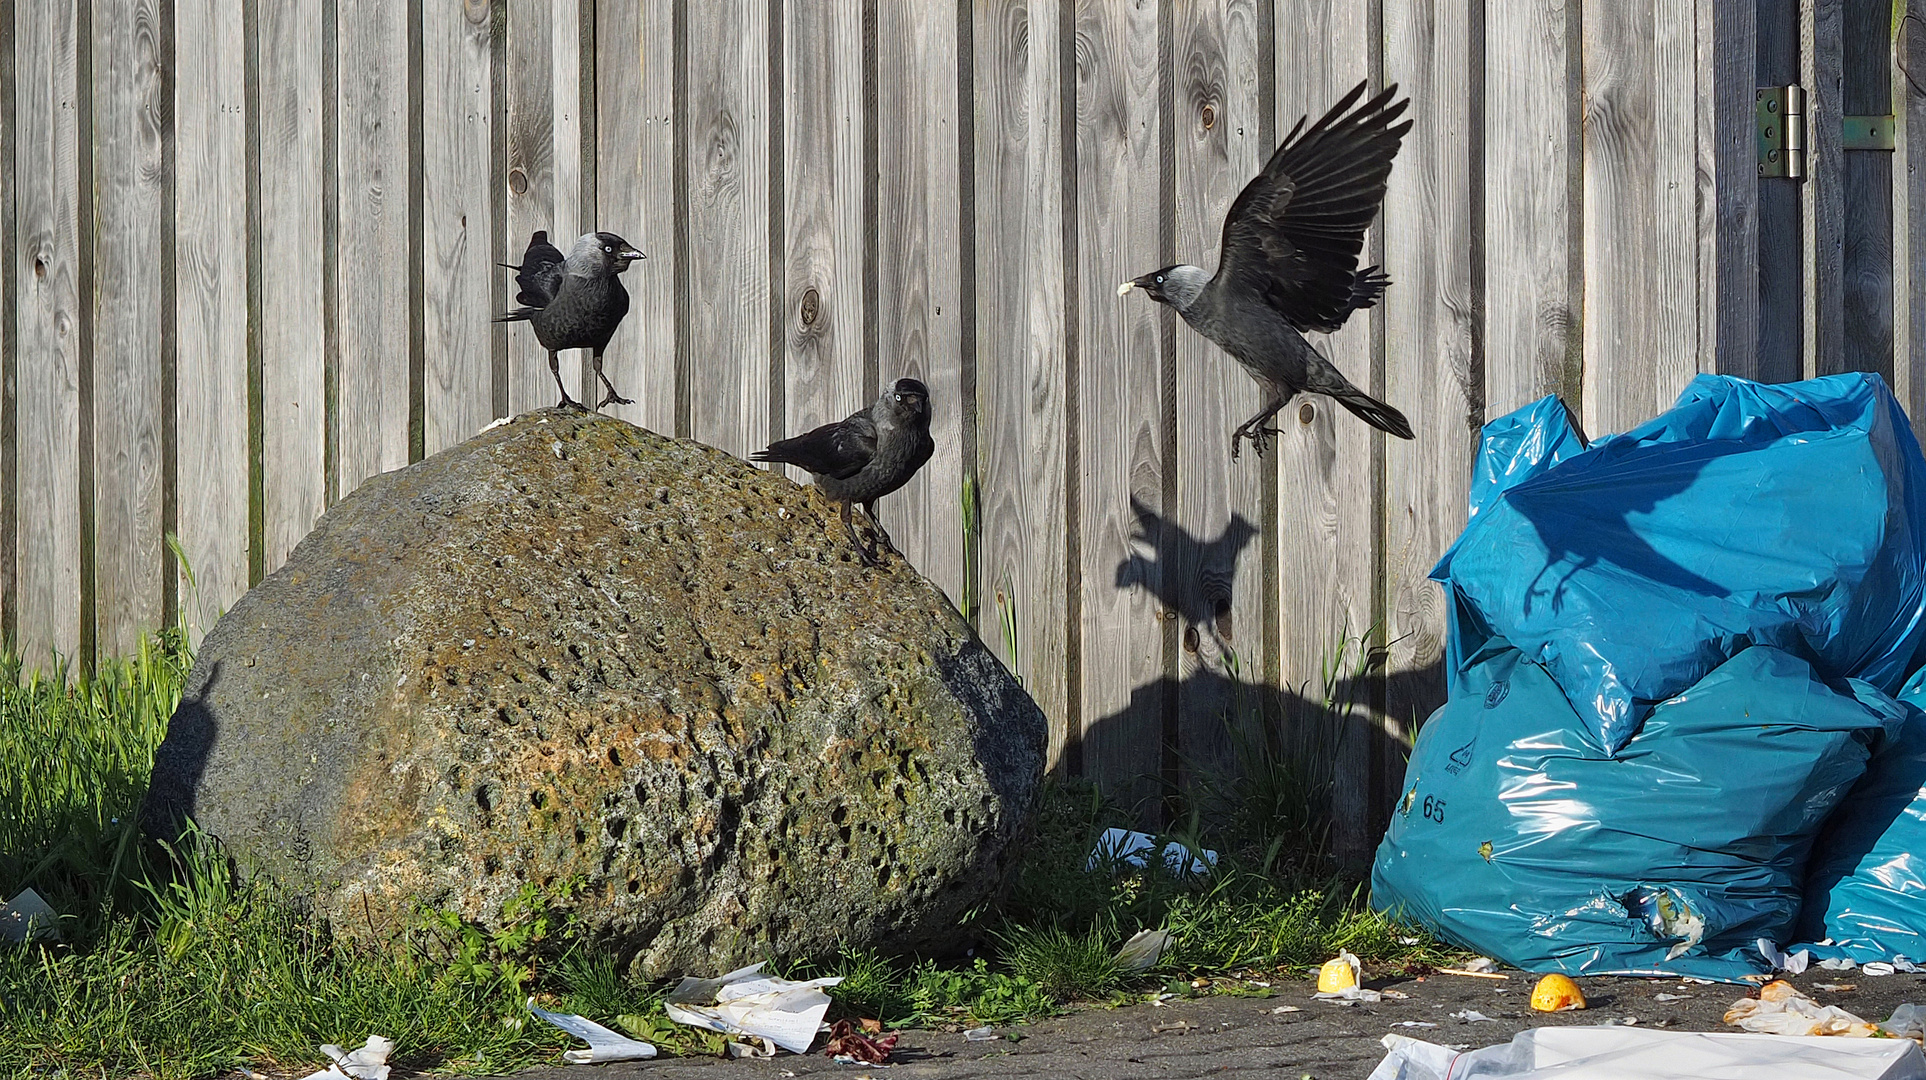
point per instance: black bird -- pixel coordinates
(574, 303)
(867, 456)
(1288, 262)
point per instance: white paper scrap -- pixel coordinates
(747, 1002)
(604, 1044)
(367, 1062)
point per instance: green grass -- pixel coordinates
(168, 967)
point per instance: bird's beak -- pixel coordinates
(632, 254)
(1126, 287)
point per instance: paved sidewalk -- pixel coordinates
(1224, 1036)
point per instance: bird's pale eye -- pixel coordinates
(1160, 279)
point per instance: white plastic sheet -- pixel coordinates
(369, 1061)
(1623, 1053)
(604, 1044)
(1125, 847)
(747, 1002)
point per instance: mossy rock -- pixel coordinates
(571, 651)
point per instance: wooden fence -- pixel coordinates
(252, 249)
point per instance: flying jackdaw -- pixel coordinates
(1288, 262)
(867, 456)
(574, 303)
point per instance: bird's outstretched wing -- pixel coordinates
(1294, 232)
(540, 274)
(839, 450)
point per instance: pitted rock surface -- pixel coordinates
(572, 651)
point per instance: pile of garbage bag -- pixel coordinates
(1685, 722)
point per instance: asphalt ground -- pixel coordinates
(1242, 1035)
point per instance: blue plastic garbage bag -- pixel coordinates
(1749, 514)
(1866, 887)
(1520, 835)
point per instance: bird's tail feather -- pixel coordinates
(1376, 413)
(520, 314)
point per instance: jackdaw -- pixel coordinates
(574, 303)
(1288, 262)
(867, 456)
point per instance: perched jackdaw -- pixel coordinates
(574, 303)
(867, 456)
(1288, 262)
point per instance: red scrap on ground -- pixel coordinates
(844, 1038)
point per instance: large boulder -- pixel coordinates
(570, 651)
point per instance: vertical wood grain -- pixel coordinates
(635, 167)
(727, 171)
(1531, 216)
(457, 233)
(47, 373)
(1126, 695)
(1023, 415)
(291, 331)
(919, 276)
(534, 199)
(1821, 52)
(10, 267)
(127, 322)
(1866, 269)
(1782, 245)
(371, 146)
(1674, 292)
(1327, 529)
(1728, 188)
(211, 312)
(1215, 571)
(1909, 217)
(823, 187)
(1431, 331)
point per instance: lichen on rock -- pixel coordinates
(572, 650)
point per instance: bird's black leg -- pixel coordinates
(876, 523)
(869, 557)
(611, 397)
(555, 369)
(1254, 429)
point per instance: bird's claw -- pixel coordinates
(570, 403)
(613, 398)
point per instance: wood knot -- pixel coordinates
(518, 181)
(812, 307)
(1208, 115)
(1192, 639)
(1306, 413)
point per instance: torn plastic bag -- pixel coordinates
(1626, 1053)
(1518, 835)
(1634, 567)
(1866, 888)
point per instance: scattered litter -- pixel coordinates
(1142, 951)
(761, 1048)
(1621, 1021)
(1158, 1001)
(1473, 974)
(369, 1062)
(1877, 968)
(1350, 995)
(1175, 1025)
(1482, 965)
(1409, 940)
(1125, 847)
(1470, 1016)
(1835, 988)
(27, 916)
(985, 1033)
(1780, 1009)
(1907, 1022)
(747, 1002)
(1414, 1023)
(604, 1045)
(1780, 961)
(1394, 995)
(1671, 997)
(1339, 974)
(1281, 1009)
(1900, 963)
(1557, 993)
(851, 1045)
(1838, 963)
(1689, 980)
(1615, 1053)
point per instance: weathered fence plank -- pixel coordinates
(538, 108)
(1531, 156)
(1866, 264)
(1674, 293)
(1909, 214)
(1430, 338)
(824, 172)
(919, 274)
(1327, 504)
(1211, 562)
(129, 596)
(46, 250)
(726, 220)
(371, 403)
(1729, 194)
(291, 333)
(1128, 698)
(1821, 37)
(635, 167)
(1024, 434)
(210, 277)
(457, 232)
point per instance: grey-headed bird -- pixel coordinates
(867, 456)
(1288, 262)
(574, 302)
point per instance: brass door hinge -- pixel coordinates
(1781, 114)
(1867, 133)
